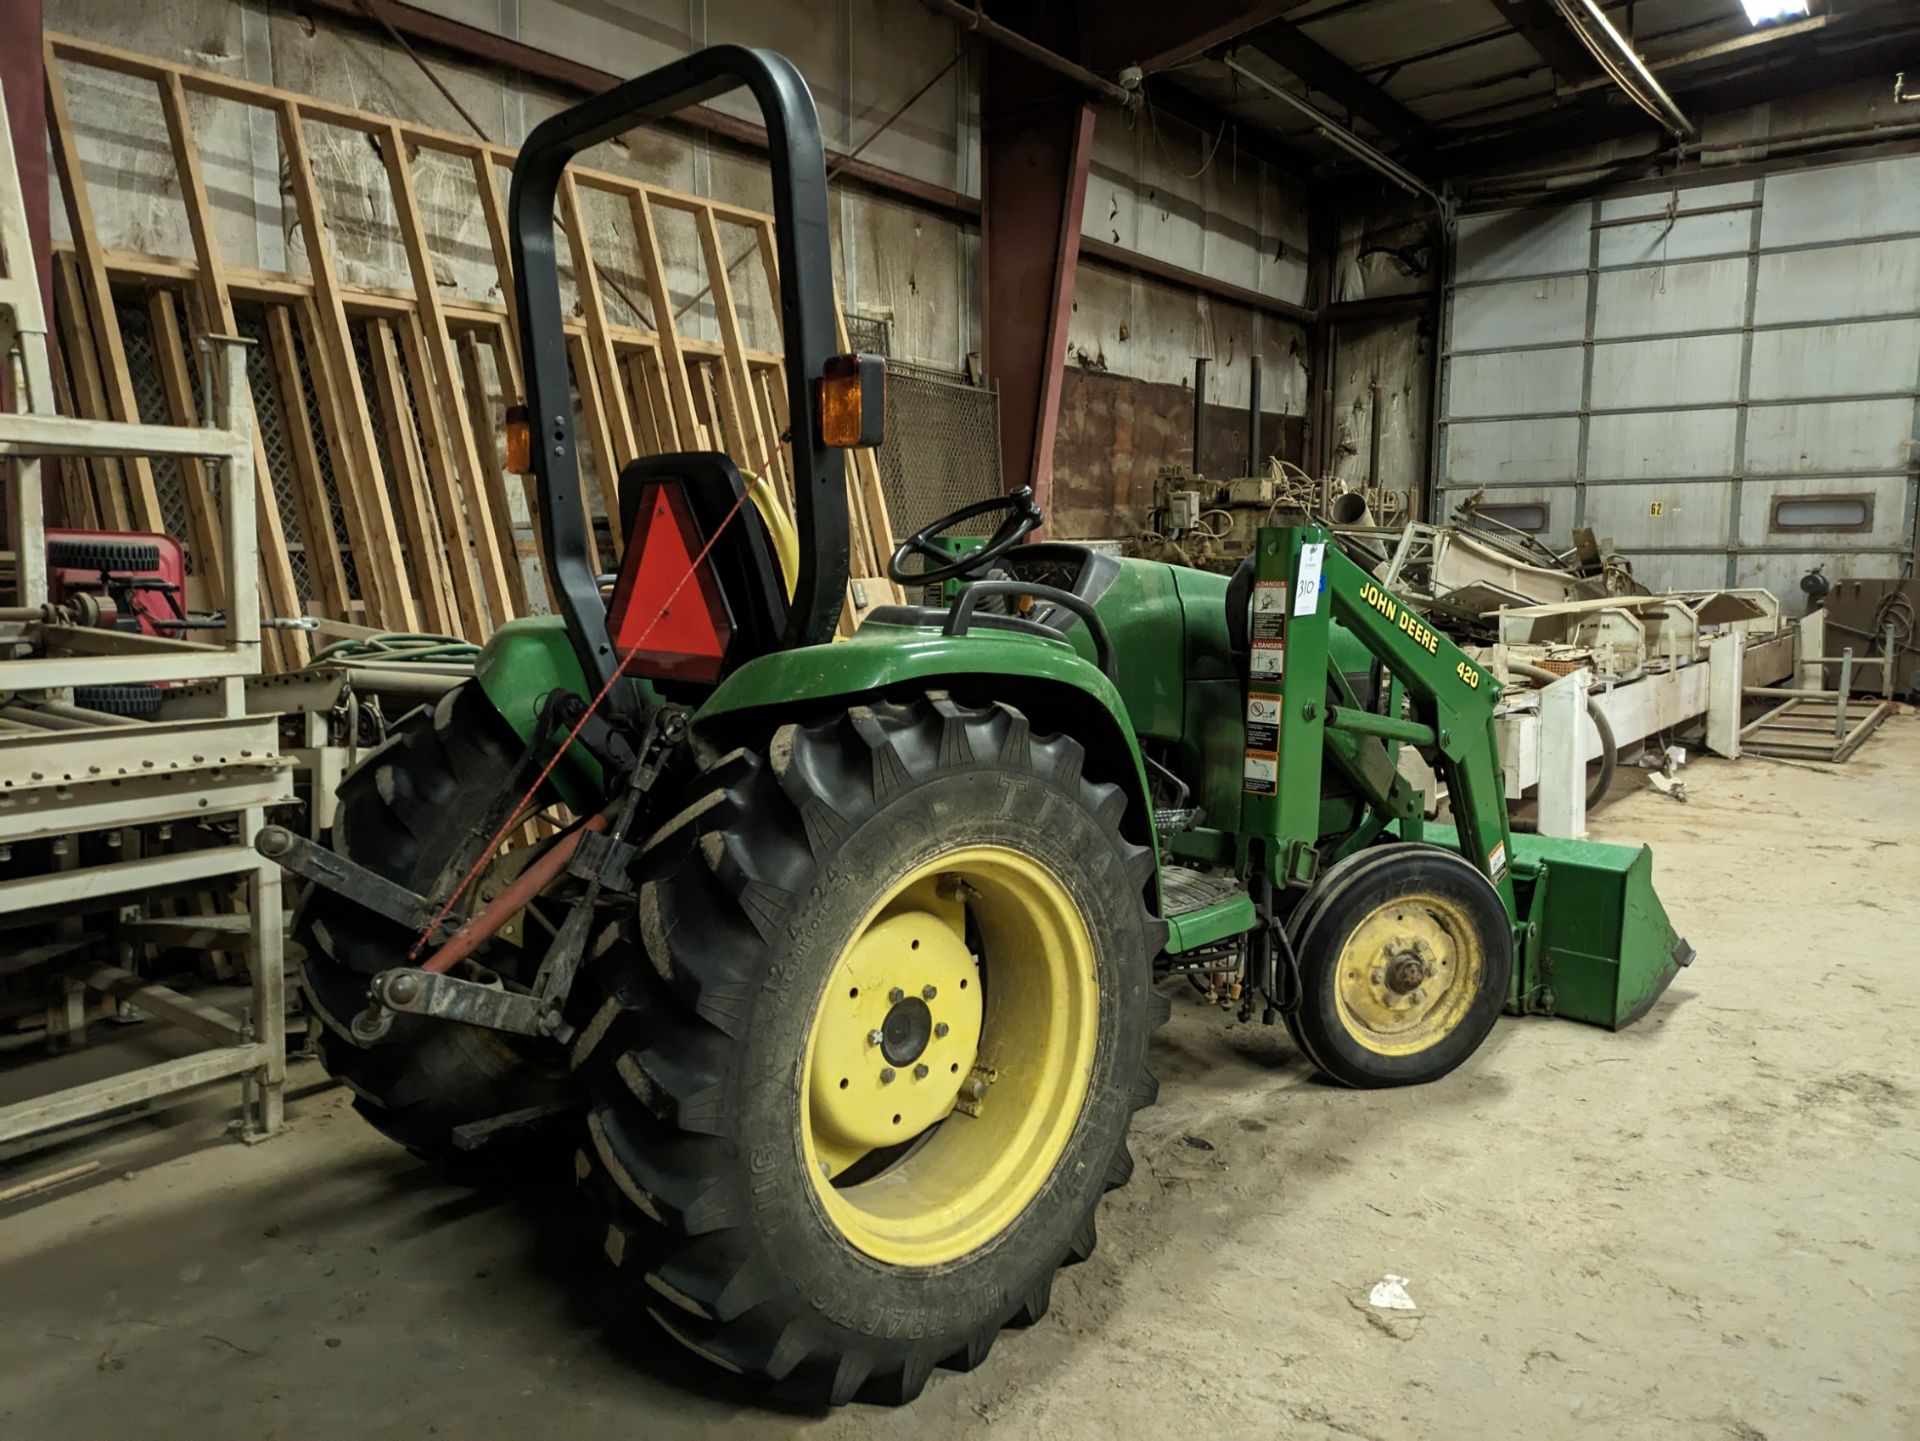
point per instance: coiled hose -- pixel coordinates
(1609, 752)
(400, 648)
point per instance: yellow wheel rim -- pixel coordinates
(940, 1087)
(1408, 974)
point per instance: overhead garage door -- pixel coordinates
(1722, 378)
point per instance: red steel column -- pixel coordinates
(1036, 145)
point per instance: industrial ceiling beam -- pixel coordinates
(972, 17)
(1597, 117)
(1589, 22)
(1540, 26)
(1339, 136)
(1320, 69)
(1157, 36)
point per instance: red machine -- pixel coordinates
(139, 578)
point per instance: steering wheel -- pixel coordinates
(1023, 517)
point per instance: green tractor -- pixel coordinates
(840, 979)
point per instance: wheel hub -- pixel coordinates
(1407, 974)
(905, 1032)
(897, 1035)
(940, 1087)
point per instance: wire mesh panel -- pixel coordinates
(869, 334)
(942, 448)
(150, 393)
(323, 454)
(261, 381)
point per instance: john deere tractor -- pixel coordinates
(838, 970)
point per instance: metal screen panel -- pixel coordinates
(149, 393)
(869, 335)
(942, 448)
(264, 385)
(310, 398)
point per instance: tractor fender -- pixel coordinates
(522, 663)
(1046, 680)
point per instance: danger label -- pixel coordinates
(1497, 860)
(1268, 662)
(1269, 619)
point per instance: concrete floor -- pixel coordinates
(1708, 1226)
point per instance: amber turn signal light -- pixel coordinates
(853, 400)
(519, 441)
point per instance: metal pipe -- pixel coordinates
(1798, 140)
(1199, 408)
(1366, 723)
(406, 682)
(970, 18)
(1253, 416)
(522, 889)
(1332, 131)
(1373, 435)
(1676, 118)
(1846, 690)
(1772, 35)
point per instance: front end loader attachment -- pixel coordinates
(1591, 940)
(1596, 944)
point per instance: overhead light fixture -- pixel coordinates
(1766, 12)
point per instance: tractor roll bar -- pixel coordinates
(806, 315)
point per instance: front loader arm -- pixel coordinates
(1302, 585)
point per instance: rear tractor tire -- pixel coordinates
(1405, 956)
(402, 812)
(860, 1096)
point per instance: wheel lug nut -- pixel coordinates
(1378, 975)
(886, 1076)
(896, 995)
(876, 1036)
(940, 1028)
(927, 993)
(920, 1071)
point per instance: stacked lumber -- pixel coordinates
(384, 500)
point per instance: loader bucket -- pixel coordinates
(1598, 946)
(1594, 943)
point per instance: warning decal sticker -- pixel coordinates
(1261, 773)
(1263, 721)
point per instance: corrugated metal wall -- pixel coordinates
(1720, 377)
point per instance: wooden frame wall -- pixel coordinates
(423, 497)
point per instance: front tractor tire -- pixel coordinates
(1405, 953)
(857, 1097)
(402, 812)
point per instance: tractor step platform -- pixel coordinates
(1201, 909)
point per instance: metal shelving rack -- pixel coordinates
(65, 772)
